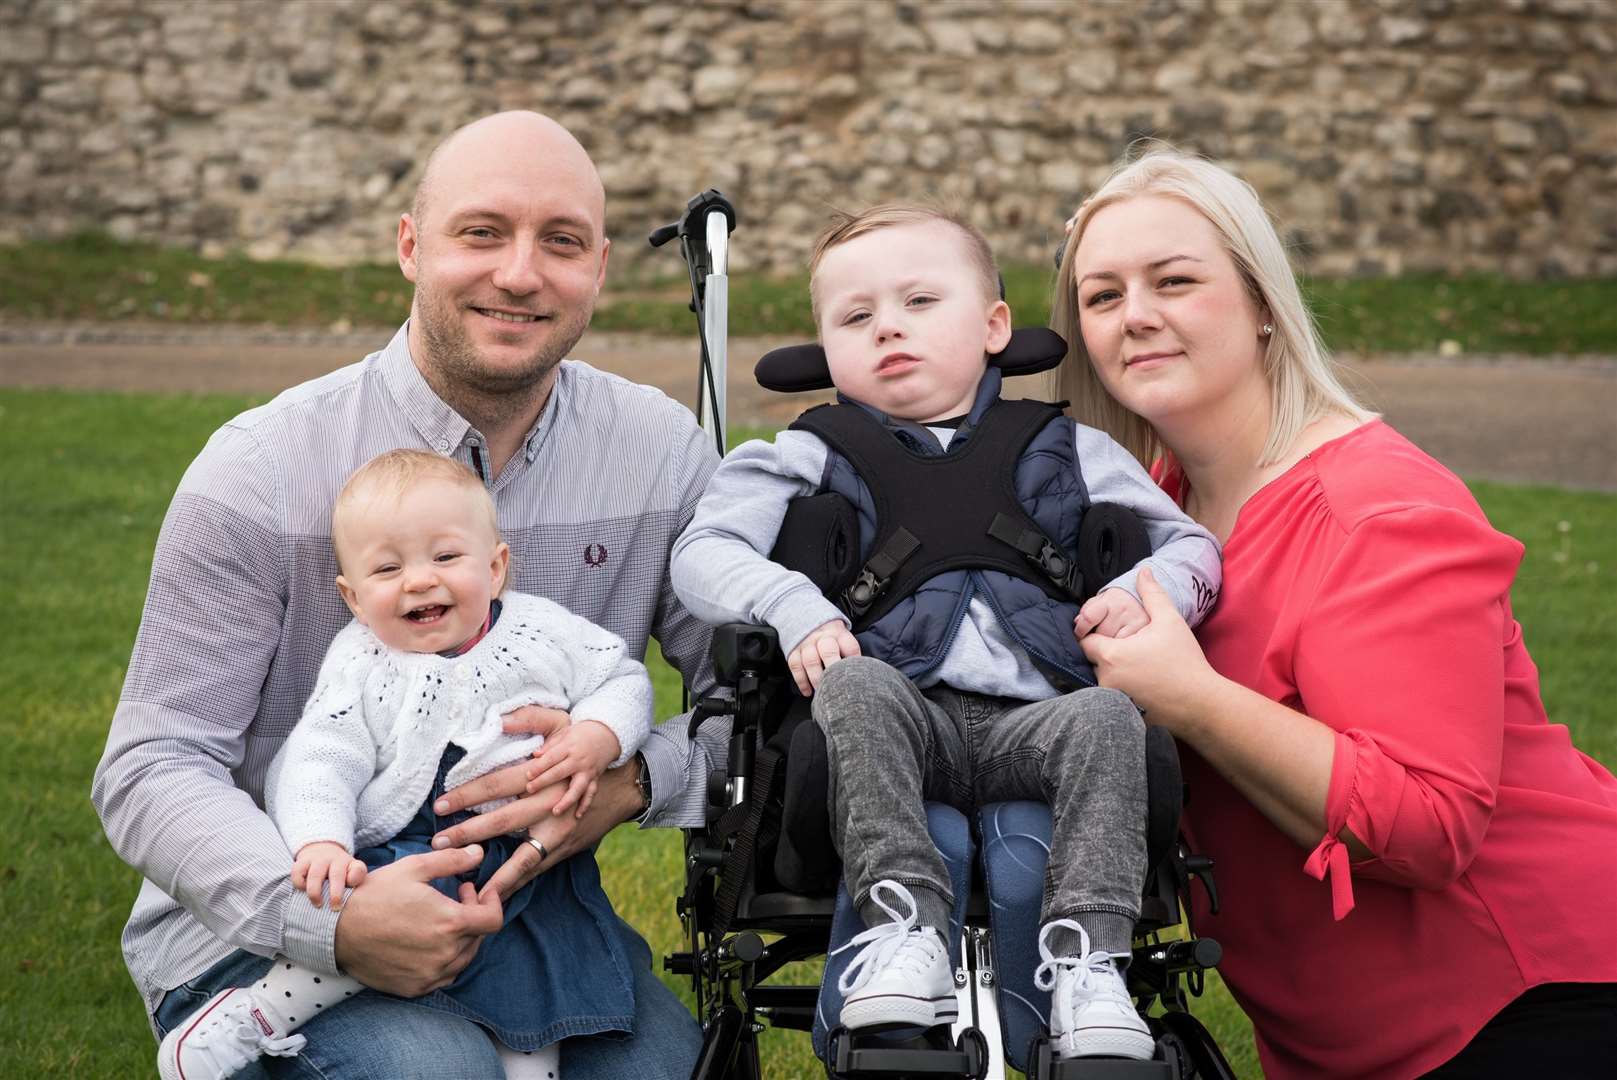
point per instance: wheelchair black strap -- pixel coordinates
(744, 823)
(921, 530)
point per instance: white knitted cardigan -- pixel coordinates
(366, 751)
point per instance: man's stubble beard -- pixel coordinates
(483, 394)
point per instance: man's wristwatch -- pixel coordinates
(643, 782)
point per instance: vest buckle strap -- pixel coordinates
(1042, 552)
(877, 574)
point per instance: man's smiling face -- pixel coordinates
(507, 250)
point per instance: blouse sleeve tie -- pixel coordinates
(1331, 857)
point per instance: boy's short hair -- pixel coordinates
(845, 226)
(395, 471)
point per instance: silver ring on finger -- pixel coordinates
(544, 852)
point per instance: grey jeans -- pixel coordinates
(893, 747)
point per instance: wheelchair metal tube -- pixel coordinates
(715, 324)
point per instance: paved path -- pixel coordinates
(1515, 419)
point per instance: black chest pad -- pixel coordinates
(941, 512)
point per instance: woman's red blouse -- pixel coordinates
(1365, 588)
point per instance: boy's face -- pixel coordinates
(904, 322)
(420, 569)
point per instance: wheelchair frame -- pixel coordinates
(729, 965)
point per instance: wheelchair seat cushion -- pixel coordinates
(805, 860)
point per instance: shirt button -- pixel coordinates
(442, 444)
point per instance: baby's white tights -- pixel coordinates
(291, 995)
(541, 1064)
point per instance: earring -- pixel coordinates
(1268, 328)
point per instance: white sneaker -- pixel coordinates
(1091, 1014)
(222, 1038)
(902, 974)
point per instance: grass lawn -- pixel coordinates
(92, 277)
(77, 523)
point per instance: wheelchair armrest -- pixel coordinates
(745, 656)
(748, 662)
(740, 649)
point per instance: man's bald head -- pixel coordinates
(507, 249)
(502, 135)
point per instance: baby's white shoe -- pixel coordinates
(901, 976)
(222, 1038)
(1091, 1014)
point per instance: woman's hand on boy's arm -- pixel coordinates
(578, 755)
(824, 646)
(323, 862)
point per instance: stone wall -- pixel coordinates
(1387, 135)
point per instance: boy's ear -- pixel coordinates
(499, 566)
(351, 598)
(999, 326)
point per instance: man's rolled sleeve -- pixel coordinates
(679, 768)
(311, 935)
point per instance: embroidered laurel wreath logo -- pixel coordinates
(595, 554)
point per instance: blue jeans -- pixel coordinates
(379, 1037)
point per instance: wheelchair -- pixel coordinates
(760, 889)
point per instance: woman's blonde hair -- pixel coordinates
(1302, 377)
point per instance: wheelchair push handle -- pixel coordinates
(663, 233)
(704, 233)
(704, 241)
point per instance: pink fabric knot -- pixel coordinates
(1332, 857)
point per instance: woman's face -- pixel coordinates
(1168, 324)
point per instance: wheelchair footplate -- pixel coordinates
(873, 1056)
(1042, 1064)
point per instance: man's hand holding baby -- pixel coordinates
(823, 646)
(578, 754)
(1112, 613)
(326, 861)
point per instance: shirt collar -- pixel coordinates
(536, 436)
(441, 427)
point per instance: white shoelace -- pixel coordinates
(885, 946)
(1095, 972)
(234, 1046)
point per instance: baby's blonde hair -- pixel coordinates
(1302, 377)
(393, 472)
(845, 226)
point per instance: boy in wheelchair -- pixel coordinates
(949, 669)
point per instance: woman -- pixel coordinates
(1418, 871)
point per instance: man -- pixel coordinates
(593, 478)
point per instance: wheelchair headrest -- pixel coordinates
(793, 369)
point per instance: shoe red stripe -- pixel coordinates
(203, 1015)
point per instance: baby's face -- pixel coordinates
(420, 569)
(904, 322)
